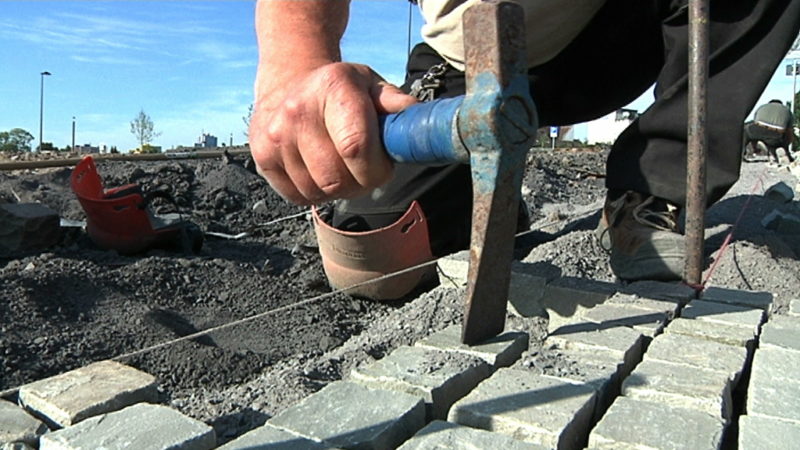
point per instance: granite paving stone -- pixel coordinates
(660, 290)
(349, 415)
(669, 307)
(750, 318)
(778, 400)
(446, 435)
(267, 437)
(439, 377)
(141, 426)
(759, 433)
(750, 299)
(681, 386)
(547, 411)
(648, 322)
(566, 299)
(698, 352)
(713, 331)
(624, 342)
(16, 425)
(775, 365)
(98, 388)
(781, 331)
(639, 424)
(525, 291)
(499, 351)
(599, 369)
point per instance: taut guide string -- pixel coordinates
(308, 301)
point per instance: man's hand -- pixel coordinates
(314, 130)
(315, 138)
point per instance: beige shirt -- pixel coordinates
(551, 25)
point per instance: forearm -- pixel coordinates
(298, 35)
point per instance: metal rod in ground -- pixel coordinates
(697, 141)
(65, 162)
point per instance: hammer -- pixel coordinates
(491, 127)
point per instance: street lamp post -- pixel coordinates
(73, 134)
(41, 107)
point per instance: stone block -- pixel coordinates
(775, 365)
(526, 286)
(98, 388)
(660, 290)
(770, 399)
(780, 192)
(348, 415)
(139, 426)
(26, 227)
(681, 386)
(566, 299)
(750, 318)
(631, 423)
(525, 294)
(748, 299)
(625, 343)
(600, 369)
(781, 222)
(714, 331)
(699, 353)
(267, 437)
(17, 426)
(439, 377)
(544, 410)
(453, 269)
(499, 351)
(648, 322)
(759, 433)
(781, 331)
(668, 307)
(447, 435)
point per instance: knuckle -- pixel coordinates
(352, 143)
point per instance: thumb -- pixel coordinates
(389, 99)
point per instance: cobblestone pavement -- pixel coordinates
(650, 366)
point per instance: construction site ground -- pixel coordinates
(290, 341)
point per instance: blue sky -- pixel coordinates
(188, 64)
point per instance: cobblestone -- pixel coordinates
(440, 378)
(98, 388)
(547, 411)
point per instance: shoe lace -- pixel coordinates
(660, 220)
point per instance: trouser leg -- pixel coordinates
(632, 44)
(748, 39)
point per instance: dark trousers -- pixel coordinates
(628, 46)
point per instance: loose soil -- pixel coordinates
(76, 303)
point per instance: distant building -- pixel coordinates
(606, 129)
(206, 141)
(86, 148)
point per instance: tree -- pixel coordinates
(142, 128)
(246, 120)
(15, 140)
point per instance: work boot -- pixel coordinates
(641, 235)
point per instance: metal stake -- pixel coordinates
(697, 141)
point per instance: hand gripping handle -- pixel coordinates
(425, 133)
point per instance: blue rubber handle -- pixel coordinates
(423, 133)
